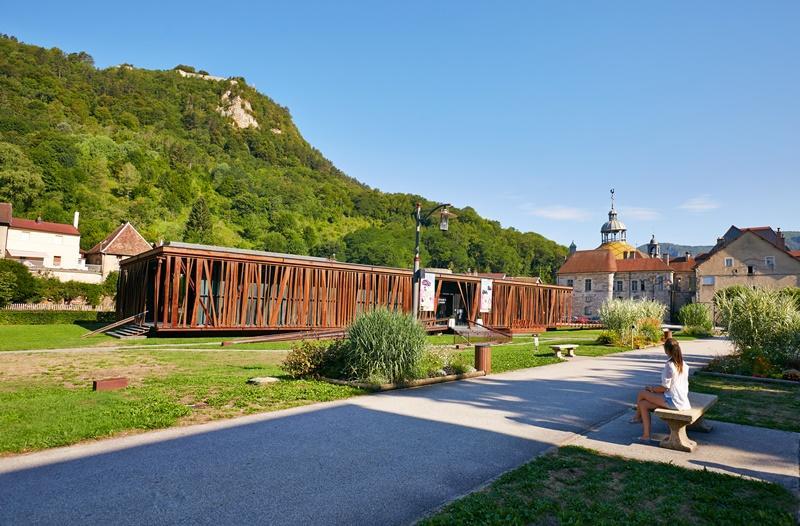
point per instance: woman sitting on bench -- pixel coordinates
(673, 393)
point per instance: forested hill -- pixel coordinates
(212, 161)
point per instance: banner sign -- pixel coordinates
(486, 295)
(427, 291)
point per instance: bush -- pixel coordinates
(606, 338)
(307, 359)
(47, 317)
(632, 322)
(383, 346)
(696, 319)
(8, 287)
(440, 363)
(763, 324)
(649, 330)
(25, 287)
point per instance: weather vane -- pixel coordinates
(612, 198)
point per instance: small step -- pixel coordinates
(130, 331)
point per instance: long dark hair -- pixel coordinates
(673, 349)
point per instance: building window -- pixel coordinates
(751, 270)
(634, 286)
(570, 283)
(641, 285)
(708, 280)
(728, 262)
(660, 282)
(769, 261)
(587, 311)
(56, 261)
(587, 285)
(618, 285)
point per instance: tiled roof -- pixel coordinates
(584, 261)
(682, 264)
(44, 226)
(764, 232)
(795, 253)
(125, 240)
(5, 213)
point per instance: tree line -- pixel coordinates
(150, 147)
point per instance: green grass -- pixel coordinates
(46, 399)
(56, 336)
(580, 486)
(751, 403)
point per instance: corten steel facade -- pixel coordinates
(194, 288)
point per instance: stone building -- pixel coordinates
(125, 241)
(615, 269)
(753, 257)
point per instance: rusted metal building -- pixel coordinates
(189, 288)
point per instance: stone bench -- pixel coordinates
(692, 418)
(568, 347)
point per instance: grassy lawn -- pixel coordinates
(751, 402)
(520, 354)
(46, 399)
(579, 486)
(55, 336)
(64, 336)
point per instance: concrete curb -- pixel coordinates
(405, 385)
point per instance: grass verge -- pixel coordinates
(579, 486)
(46, 399)
(55, 336)
(752, 403)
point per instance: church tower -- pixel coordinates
(614, 235)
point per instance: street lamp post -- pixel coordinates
(443, 226)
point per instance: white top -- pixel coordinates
(676, 384)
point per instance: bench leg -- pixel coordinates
(677, 439)
(701, 425)
(559, 355)
(571, 353)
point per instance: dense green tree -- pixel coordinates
(125, 143)
(8, 287)
(198, 225)
(24, 286)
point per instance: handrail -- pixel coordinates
(490, 329)
(116, 324)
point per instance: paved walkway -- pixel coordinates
(379, 459)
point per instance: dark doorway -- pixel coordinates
(451, 304)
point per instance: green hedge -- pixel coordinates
(47, 317)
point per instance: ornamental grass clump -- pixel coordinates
(632, 323)
(764, 326)
(696, 320)
(383, 346)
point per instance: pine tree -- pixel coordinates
(198, 225)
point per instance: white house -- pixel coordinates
(45, 247)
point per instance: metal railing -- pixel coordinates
(136, 318)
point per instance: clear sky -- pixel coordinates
(528, 111)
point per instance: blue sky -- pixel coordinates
(527, 111)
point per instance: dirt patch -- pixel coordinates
(76, 369)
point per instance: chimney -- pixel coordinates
(39, 219)
(688, 256)
(76, 218)
(781, 239)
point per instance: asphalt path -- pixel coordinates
(388, 458)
